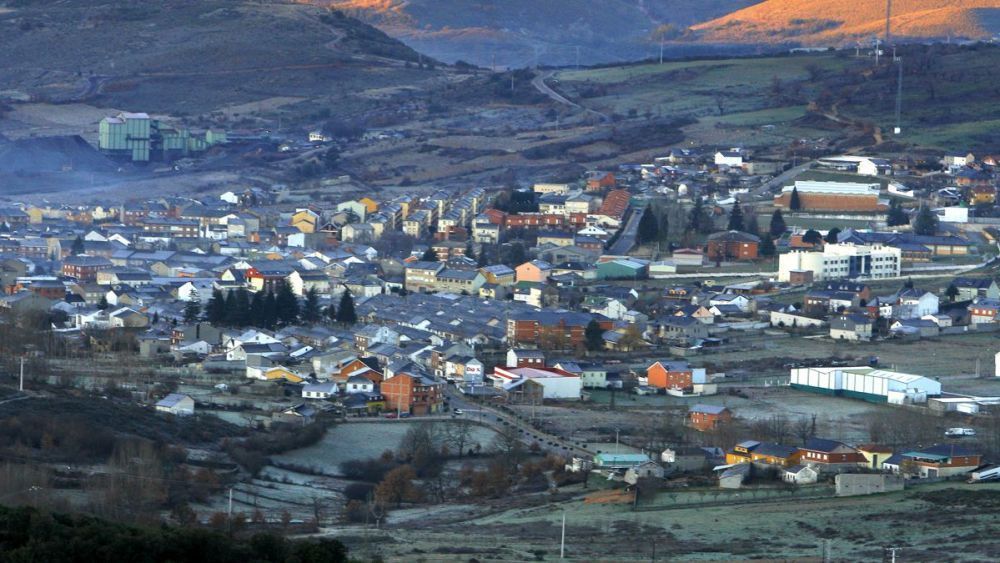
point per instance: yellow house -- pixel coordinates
(279, 373)
(371, 206)
(35, 215)
(305, 220)
(875, 455)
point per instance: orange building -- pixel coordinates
(708, 417)
(732, 245)
(671, 375)
(414, 394)
(763, 454)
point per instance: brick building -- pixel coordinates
(832, 196)
(708, 417)
(732, 245)
(414, 394)
(551, 329)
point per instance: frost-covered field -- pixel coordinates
(346, 442)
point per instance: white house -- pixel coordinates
(319, 390)
(916, 303)
(732, 158)
(176, 404)
(358, 384)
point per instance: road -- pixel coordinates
(766, 190)
(539, 83)
(626, 240)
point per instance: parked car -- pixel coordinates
(459, 411)
(390, 415)
(959, 432)
(405, 415)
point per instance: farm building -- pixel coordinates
(176, 404)
(869, 384)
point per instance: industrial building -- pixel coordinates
(556, 383)
(138, 138)
(842, 261)
(833, 196)
(866, 383)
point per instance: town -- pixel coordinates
(705, 318)
(434, 281)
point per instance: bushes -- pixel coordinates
(27, 534)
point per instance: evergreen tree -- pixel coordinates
(470, 251)
(794, 203)
(270, 312)
(664, 227)
(951, 293)
(897, 216)
(215, 311)
(777, 226)
(192, 309)
(767, 246)
(831, 235)
(926, 222)
(698, 219)
(240, 314)
(102, 305)
(482, 260)
(593, 336)
(78, 246)
(345, 311)
(812, 237)
(735, 219)
(331, 313)
(429, 255)
(310, 309)
(648, 227)
(752, 226)
(256, 316)
(516, 255)
(287, 304)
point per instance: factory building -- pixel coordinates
(833, 196)
(138, 138)
(866, 383)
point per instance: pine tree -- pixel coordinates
(470, 251)
(482, 260)
(240, 314)
(287, 304)
(429, 255)
(516, 255)
(735, 218)
(664, 227)
(648, 228)
(752, 226)
(951, 293)
(812, 237)
(593, 336)
(78, 247)
(896, 216)
(102, 305)
(310, 309)
(215, 311)
(192, 309)
(345, 311)
(777, 226)
(926, 222)
(256, 316)
(767, 246)
(331, 313)
(794, 203)
(270, 312)
(698, 220)
(831, 235)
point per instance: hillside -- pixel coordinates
(183, 56)
(514, 32)
(840, 22)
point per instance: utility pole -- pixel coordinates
(826, 551)
(21, 386)
(661, 49)
(229, 520)
(888, 15)
(562, 542)
(877, 51)
(899, 103)
(578, 56)
(892, 553)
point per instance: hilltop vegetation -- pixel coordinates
(188, 56)
(841, 22)
(514, 32)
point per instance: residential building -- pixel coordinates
(831, 455)
(414, 394)
(176, 404)
(763, 454)
(708, 417)
(732, 245)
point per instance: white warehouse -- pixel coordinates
(869, 384)
(843, 261)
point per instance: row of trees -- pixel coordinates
(239, 308)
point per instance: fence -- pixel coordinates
(725, 497)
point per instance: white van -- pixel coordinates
(959, 432)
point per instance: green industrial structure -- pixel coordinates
(138, 138)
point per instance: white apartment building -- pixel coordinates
(843, 261)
